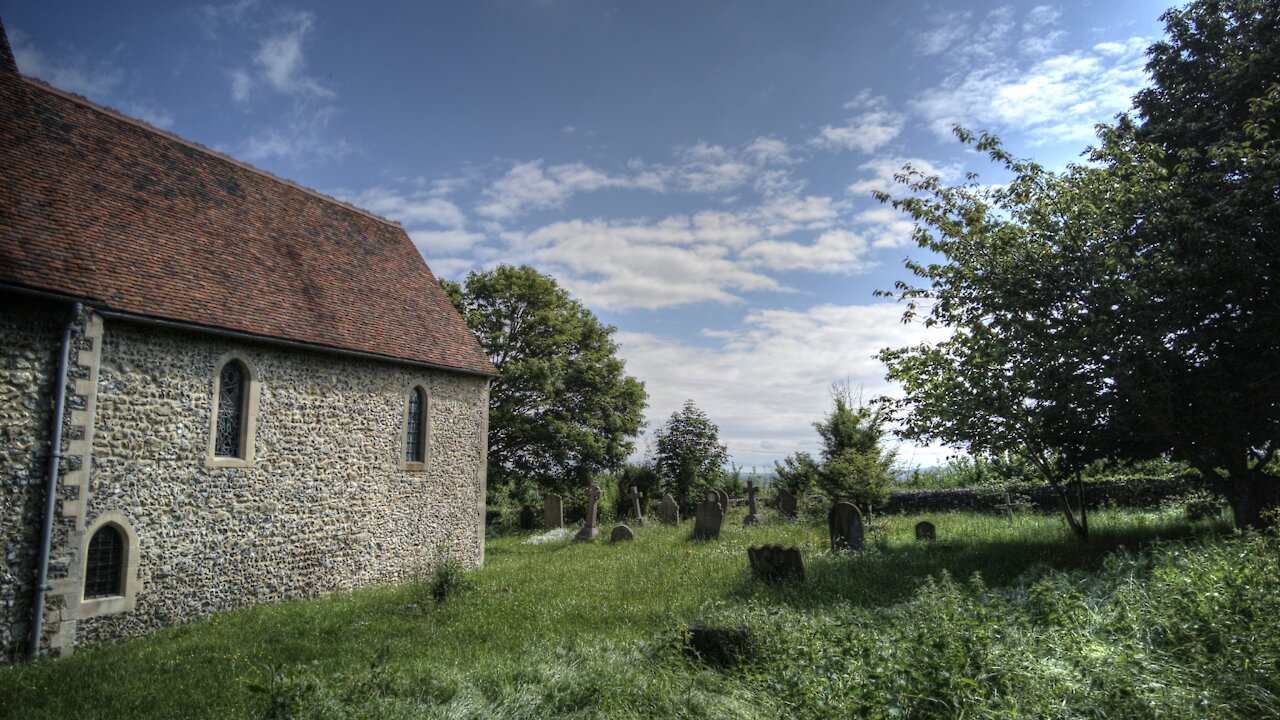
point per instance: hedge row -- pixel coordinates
(1135, 492)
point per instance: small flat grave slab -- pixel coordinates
(775, 563)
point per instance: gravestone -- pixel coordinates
(553, 512)
(753, 517)
(589, 530)
(707, 520)
(622, 533)
(723, 499)
(775, 563)
(668, 511)
(786, 502)
(637, 515)
(926, 531)
(528, 517)
(845, 523)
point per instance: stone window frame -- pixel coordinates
(425, 428)
(249, 426)
(129, 584)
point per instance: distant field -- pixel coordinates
(1154, 617)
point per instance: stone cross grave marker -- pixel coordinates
(753, 517)
(622, 533)
(926, 531)
(723, 498)
(635, 505)
(1008, 505)
(553, 511)
(845, 524)
(707, 521)
(589, 530)
(775, 563)
(668, 511)
(786, 502)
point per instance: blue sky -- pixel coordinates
(697, 173)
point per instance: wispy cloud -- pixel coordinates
(868, 131)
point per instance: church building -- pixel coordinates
(217, 388)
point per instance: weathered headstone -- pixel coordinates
(668, 511)
(707, 520)
(926, 531)
(845, 524)
(622, 533)
(786, 502)
(637, 513)
(775, 563)
(753, 517)
(528, 517)
(589, 530)
(723, 498)
(553, 511)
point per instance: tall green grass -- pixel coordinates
(596, 630)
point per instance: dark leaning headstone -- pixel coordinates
(845, 524)
(723, 499)
(753, 517)
(775, 563)
(589, 530)
(786, 502)
(528, 518)
(553, 511)
(707, 520)
(668, 511)
(621, 533)
(926, 531)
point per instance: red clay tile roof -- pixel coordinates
(101, 207)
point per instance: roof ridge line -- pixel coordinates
(116, 114)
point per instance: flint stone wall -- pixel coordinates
(325, 505)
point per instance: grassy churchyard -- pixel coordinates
(1155, 617)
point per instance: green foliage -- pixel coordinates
(1125, 308)
(447, 579)
(856, 467)
(689, 455)
(563, 408)
(797, 473)
(643, 477)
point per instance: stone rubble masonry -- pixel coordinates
(325, 506)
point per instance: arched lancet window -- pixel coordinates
(231, 395)
(414, 440)
(104, 563)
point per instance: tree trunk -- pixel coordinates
(1254, 497)
(1078, 526)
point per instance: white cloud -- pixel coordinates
(280, 61)
(73, 73)
(528, 187)
(436, 243)
(301, 139)
(409, 208)
(1058, 99)
(865, 132)
(882, 171)
(767, 381)
(886, 227)
(836, 251)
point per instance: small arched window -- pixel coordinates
(232, 384)
(104, 563)
(415, 427)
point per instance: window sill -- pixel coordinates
(227, 462)
(110, 605)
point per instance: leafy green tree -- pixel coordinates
(1125, 308)
(797, 473)
(856, 466)
(563, 408)
(689, 455)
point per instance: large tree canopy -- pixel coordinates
(689, 455)
(1127, 307)
(563, 408)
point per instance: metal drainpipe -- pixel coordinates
(51, 482)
